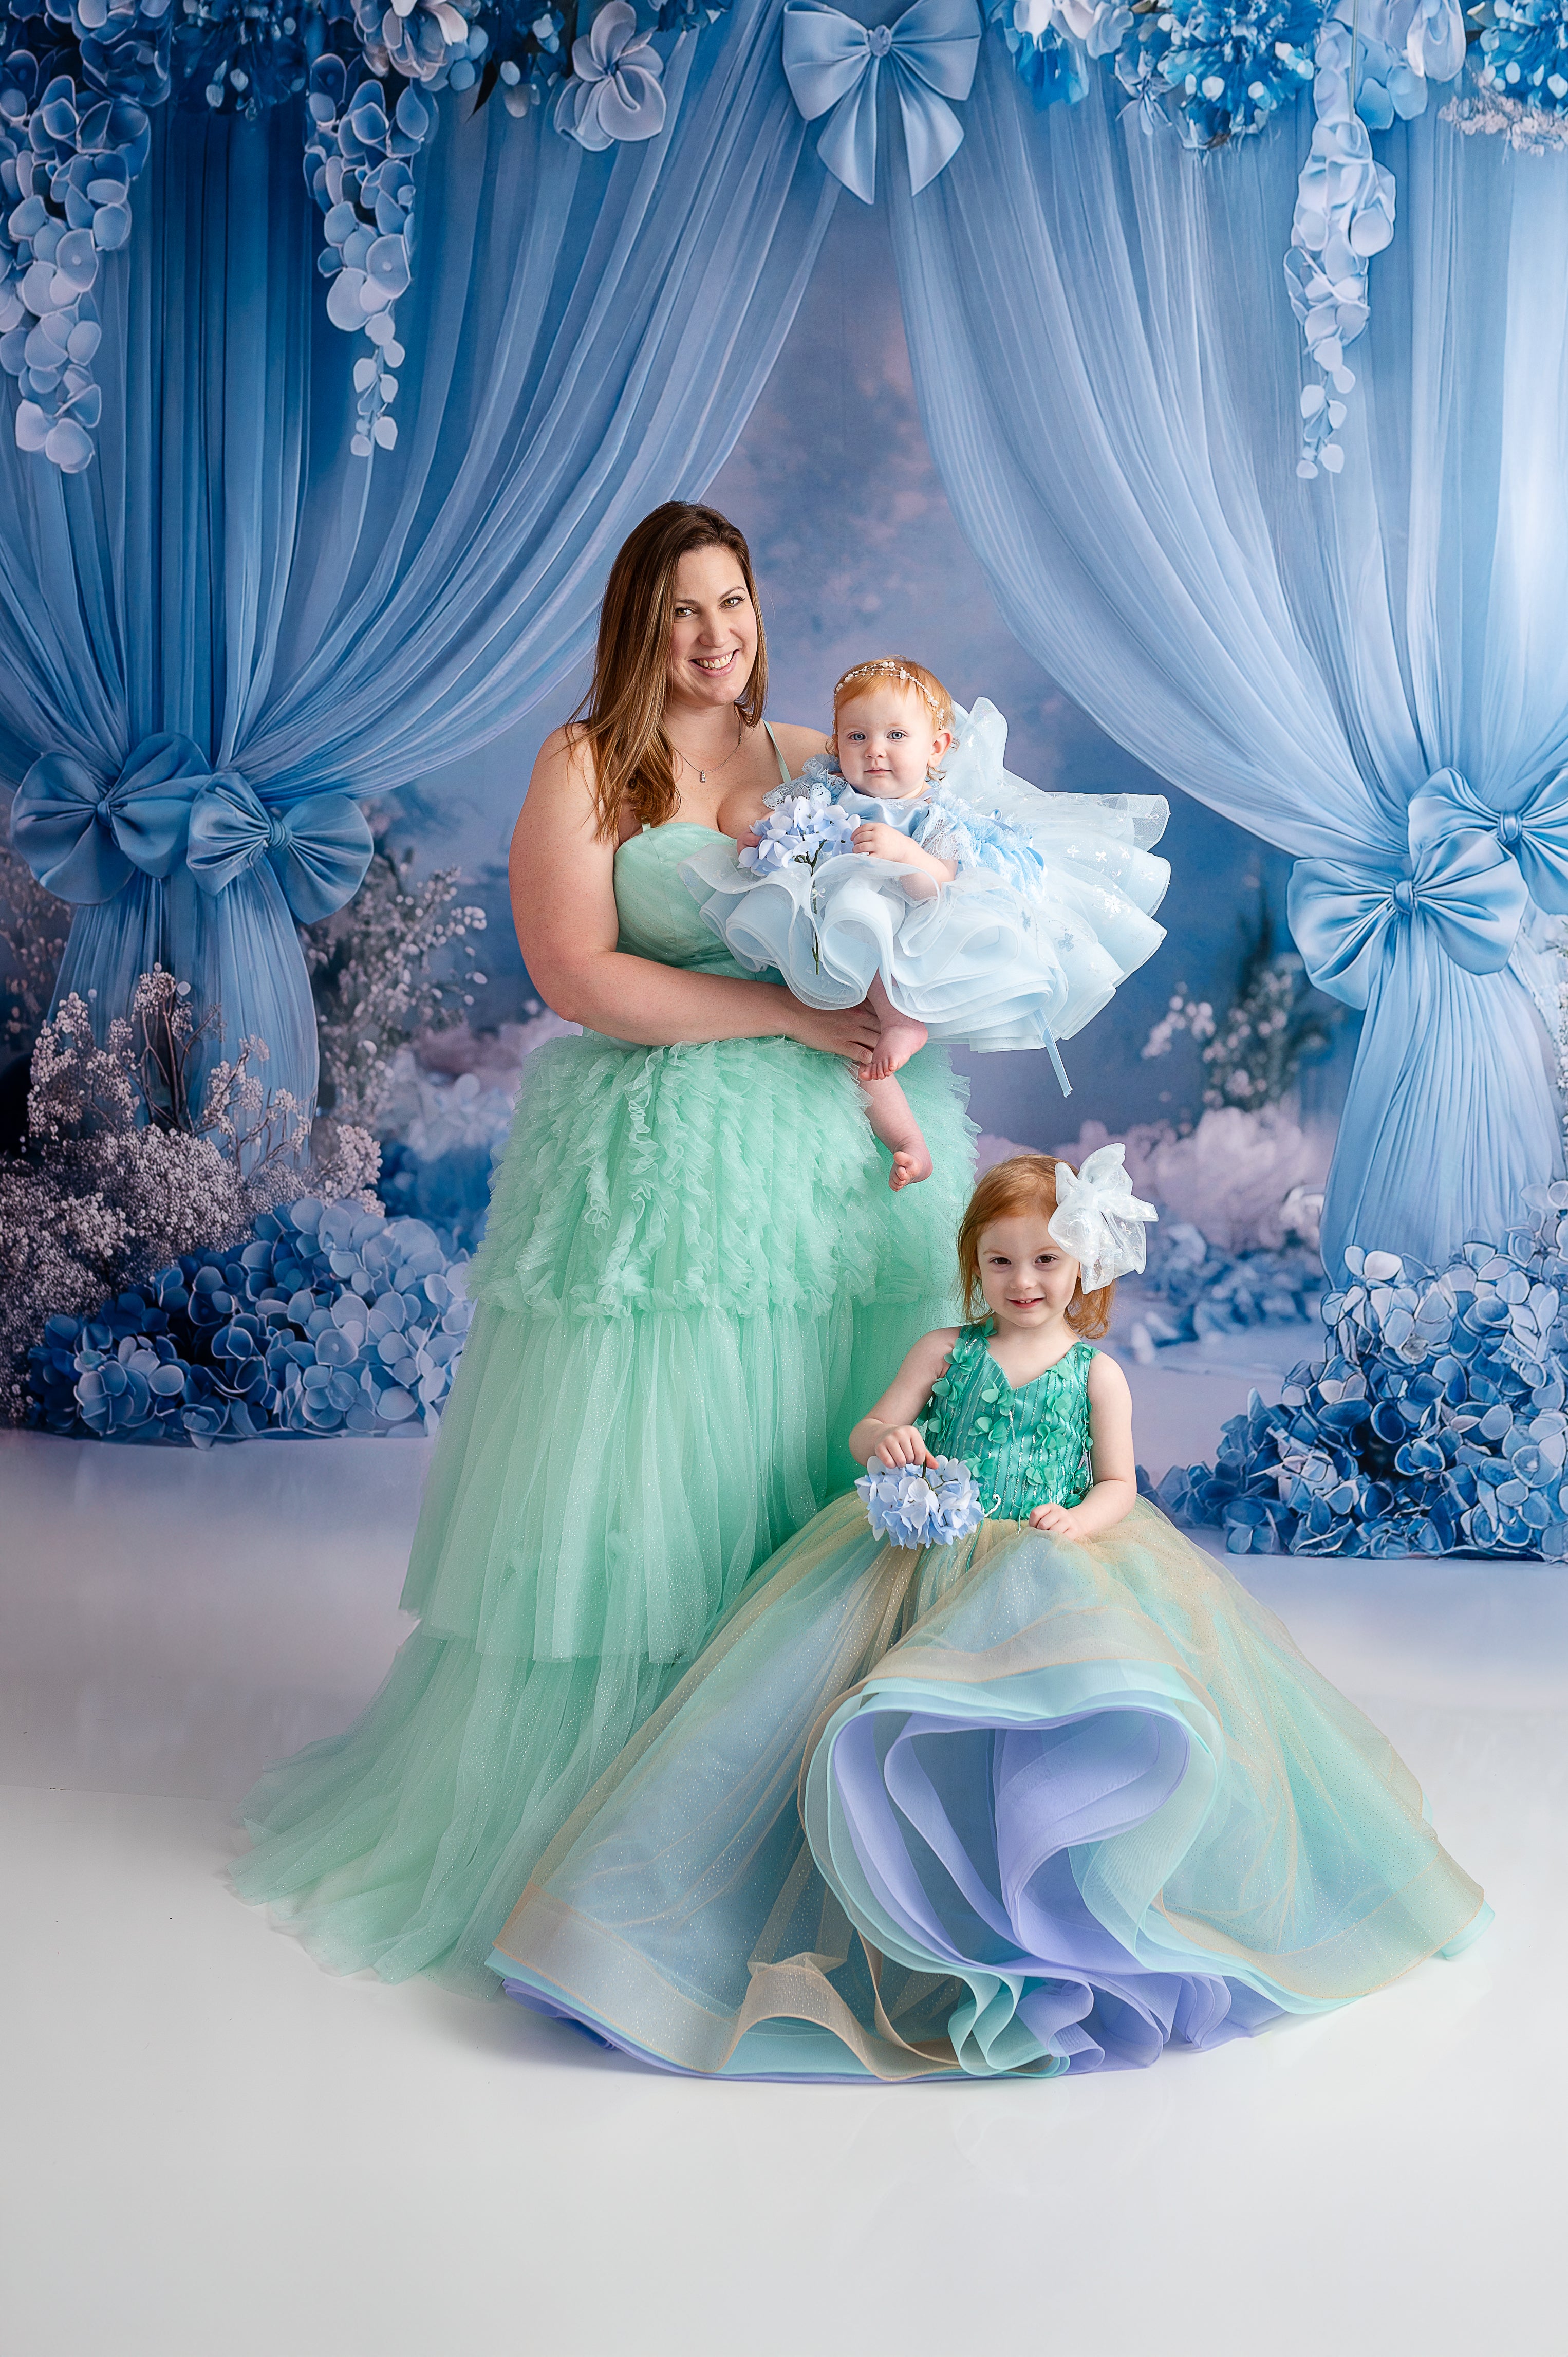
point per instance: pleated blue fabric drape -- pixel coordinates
(1369, 672)
(585, 337)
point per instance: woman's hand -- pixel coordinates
(848, 1031)
(900, 1444)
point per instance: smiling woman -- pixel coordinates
(692, 1260)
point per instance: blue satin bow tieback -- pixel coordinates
(1464, 886)
(833, 66)
(85, 834)
(319, 848)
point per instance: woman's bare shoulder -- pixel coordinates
(562, 777)
(796, 744)
(566, 751)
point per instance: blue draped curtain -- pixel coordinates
(229, 612)
(1370, 672)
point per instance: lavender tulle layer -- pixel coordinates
(693, 1269)
(1014, 1806)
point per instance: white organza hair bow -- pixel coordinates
(1099, 1219)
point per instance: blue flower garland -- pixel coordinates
(332, 1319)
(1435, 1423)
(68, 158)
(1215, 70)
(358, 165)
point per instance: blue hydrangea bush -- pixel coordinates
(1191, 1288)
(1435, 1423)
(331, 1319)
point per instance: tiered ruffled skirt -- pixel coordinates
(694, 1280)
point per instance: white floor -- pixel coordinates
(207, 2146)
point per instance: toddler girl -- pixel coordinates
(1049, 1797)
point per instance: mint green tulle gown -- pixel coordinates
(693, 1280)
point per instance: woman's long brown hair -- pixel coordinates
(621, 718)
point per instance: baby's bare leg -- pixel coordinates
(896, 1125)
(902, 1037)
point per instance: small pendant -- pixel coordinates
(701, 777)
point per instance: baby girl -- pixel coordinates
(875, 878)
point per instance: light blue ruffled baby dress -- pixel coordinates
(1051, 909)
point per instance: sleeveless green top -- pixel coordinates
(1025, 1447)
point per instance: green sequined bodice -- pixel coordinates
(1027, 1447)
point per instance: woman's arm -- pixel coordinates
(563, 905)
(888, 1433)
(1115, 1487)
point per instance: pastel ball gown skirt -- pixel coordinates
(1016, 1806)
(691, 1252)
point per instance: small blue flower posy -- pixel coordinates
(805, 828)
(921, 1505)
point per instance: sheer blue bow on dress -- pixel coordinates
(228, 630)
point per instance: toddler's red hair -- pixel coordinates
(1025, 1182)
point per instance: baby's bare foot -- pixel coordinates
(901, 1037)
(910, 1165)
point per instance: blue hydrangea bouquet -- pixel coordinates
(921, 1505)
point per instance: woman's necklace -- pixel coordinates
(729, 757)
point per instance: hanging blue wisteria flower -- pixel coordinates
(1344, 215)
(1524, 64)
(332, 1319)
(921, 1505)
(67, 161)
(1050, 65)
(241, 57)
(1435, 1423)
(1228, 69)
(615, 91)
(358, 165)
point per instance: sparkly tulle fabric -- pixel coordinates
(692, 1269)
(1018, 1805)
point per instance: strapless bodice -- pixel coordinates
(659, 917)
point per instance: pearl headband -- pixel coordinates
(884, 667)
